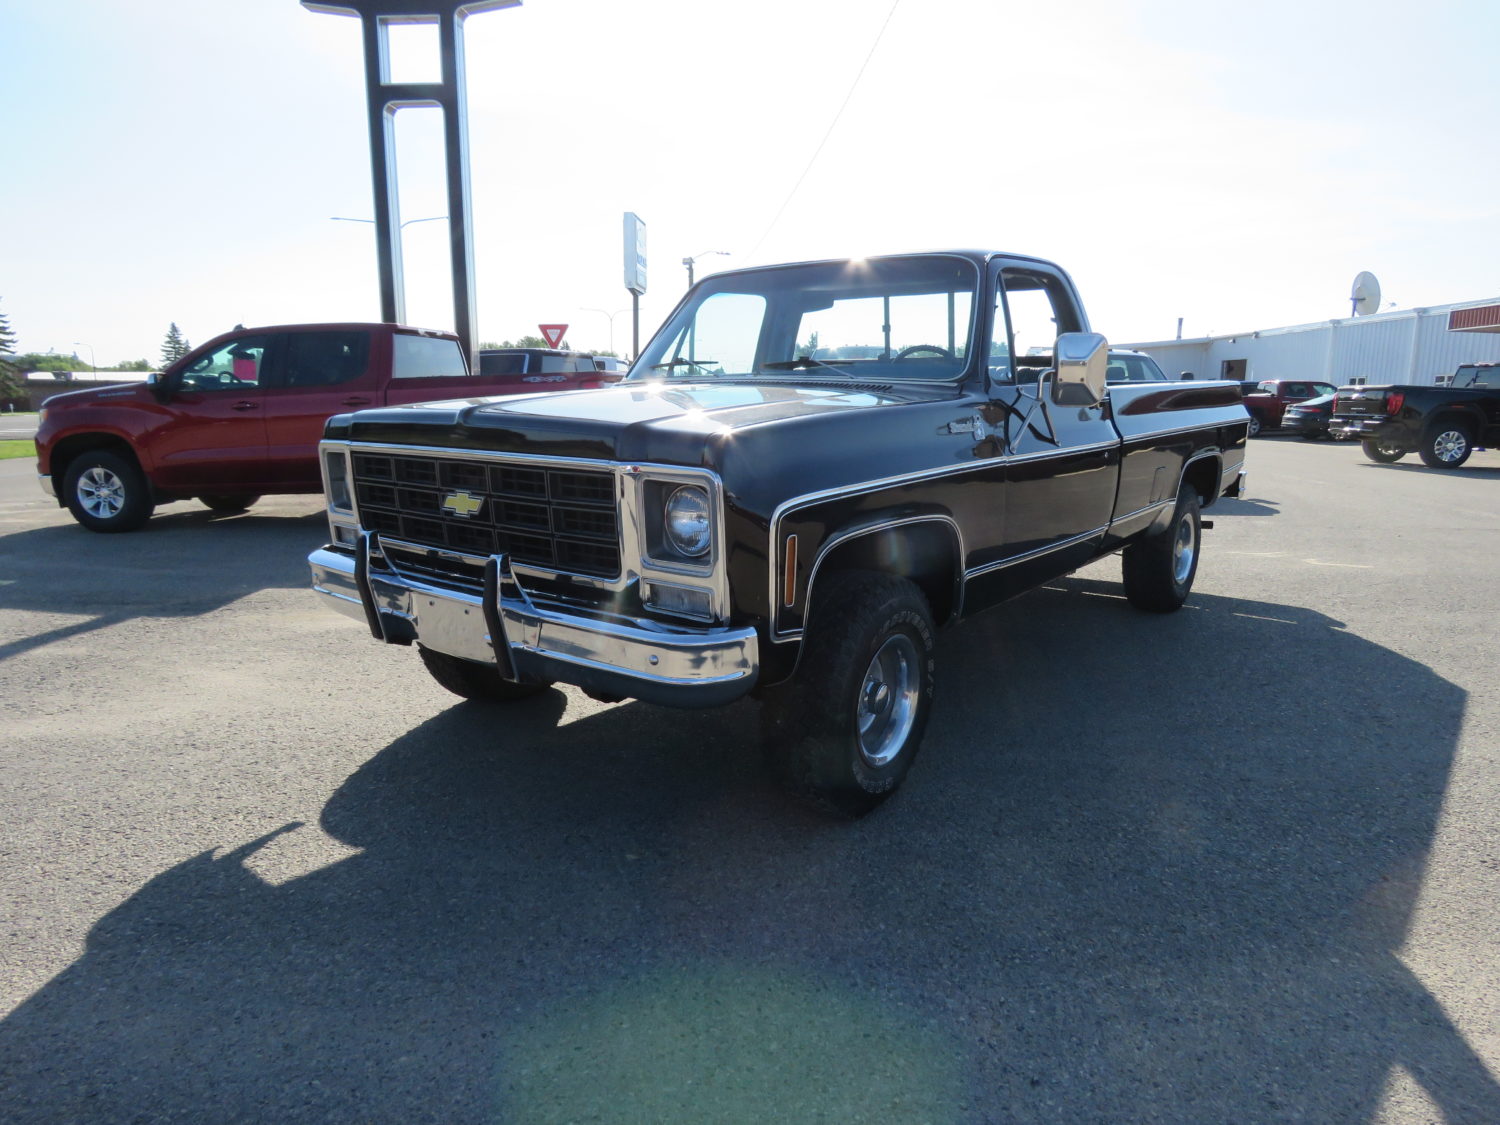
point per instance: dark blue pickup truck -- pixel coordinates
(807, 470)
(1441, 424)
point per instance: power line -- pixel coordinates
(750, 257)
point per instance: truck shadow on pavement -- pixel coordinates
(1130, 878)
(175, 566)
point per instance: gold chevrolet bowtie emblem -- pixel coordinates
(463, 504)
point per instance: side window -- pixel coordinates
(236, 366)
(426, 357)
(1031, 313)
(504, 363)
(325, 359)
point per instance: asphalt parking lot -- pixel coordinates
(1240, 863)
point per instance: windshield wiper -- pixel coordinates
(803, 361)
(700, 364)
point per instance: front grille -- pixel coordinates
(559, 518)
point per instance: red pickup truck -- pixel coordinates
(238, 418)
(1270, 398)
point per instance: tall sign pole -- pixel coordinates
(383, 99)
(635, 276)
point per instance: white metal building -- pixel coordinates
(1415, 346)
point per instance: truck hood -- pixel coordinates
(654, 422)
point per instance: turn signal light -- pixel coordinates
(1394, 401)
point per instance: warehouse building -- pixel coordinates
(1414, 346)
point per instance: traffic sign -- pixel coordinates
(553, 334)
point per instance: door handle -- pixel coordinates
(244, 406)
(355, 400)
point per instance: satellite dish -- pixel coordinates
(1365, 296)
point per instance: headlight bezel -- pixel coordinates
(657, 551)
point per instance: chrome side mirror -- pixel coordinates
(1082, 364)
(159, 386)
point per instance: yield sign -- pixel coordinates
(553, 334)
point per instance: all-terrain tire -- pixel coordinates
(1159, 569)
(845, 730)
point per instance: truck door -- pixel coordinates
(216, 433)
(1061, 461)
(322, 372)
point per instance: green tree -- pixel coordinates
(10, 374)
(132, 365)
(175, 346)
(51, 361)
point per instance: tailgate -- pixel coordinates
(1361, 402)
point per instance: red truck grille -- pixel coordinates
(559, 518)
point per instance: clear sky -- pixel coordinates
(1231, 164)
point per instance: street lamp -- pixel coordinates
(93, 362)
(609, 316)
(428, 219)
(689, 262)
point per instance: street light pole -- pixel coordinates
(93, 360)
(689, 262)
(609, 316)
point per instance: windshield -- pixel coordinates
(887, 318)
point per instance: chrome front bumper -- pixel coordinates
(678, 667)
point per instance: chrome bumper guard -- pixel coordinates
(677, 667)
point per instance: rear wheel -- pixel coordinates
(1255, 424)
(107, 492)
(472, 680)
(228, 503)
(1380, 451)
(1446, 445)
(844, 732)
(1159, 570)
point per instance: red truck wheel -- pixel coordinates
(228, 503)
(107, 492)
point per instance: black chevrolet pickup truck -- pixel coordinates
(807, 470)
(1443, 424)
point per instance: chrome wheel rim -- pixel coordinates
(101, 493)
(888, 697)
(1184, 550)
(1450, 445)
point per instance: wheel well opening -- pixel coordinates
(924, 553)
(1453, 418)
(1202, 476)
(65, 452)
